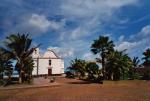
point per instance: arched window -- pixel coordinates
(50, 62)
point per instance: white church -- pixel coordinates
(48, 64)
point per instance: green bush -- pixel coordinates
(137, 76)
(69, 75)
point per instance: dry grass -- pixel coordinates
(76, 90)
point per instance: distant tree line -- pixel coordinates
(116, 65)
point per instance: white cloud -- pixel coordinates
(88, 56)
(91, 15)
(78, 32)
(121, 38)
(145, 31)
(88, 8)
(119, 3)
(35, 24)
(123, 21)
(137, 43)
(126, 45)
(42, 23)
(74, 34)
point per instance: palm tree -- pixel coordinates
(126, 63)
(19, 46)
(146, 57)
(28, 68)
(135, 62)
(102, 46)
(118, 65)
(113, 71)
(78, 66)
(93, 70)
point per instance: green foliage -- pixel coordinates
(92, 69)
(132, 73)
(118, 65)
(28, 68)
(137, 76)
(78, 66)
(102, 45)
(5, 64)
(19, 48)
(146, 57)
(69, 74)
(84, 70)
(135, 61)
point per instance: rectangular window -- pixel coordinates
(49, 62)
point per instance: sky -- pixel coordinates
(70, 26)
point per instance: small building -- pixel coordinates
(48, 64)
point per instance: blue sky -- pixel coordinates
(70, 26)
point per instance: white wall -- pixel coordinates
(57, 66)
(43, 66)
(34, 72)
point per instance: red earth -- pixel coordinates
(77, 90)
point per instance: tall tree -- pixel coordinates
(102, 46)
(117, 65)
(19, 46)
(146, 57)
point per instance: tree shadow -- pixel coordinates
(80, 82)
(8, 83)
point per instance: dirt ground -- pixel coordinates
(76, 90)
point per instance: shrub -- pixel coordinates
(69, 74)
(146, 76)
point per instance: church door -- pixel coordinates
(49, 72)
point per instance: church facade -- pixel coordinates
(48, 64)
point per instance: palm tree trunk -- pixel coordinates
(19, 66)
(103, 65)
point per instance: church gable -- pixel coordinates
(50, 54)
